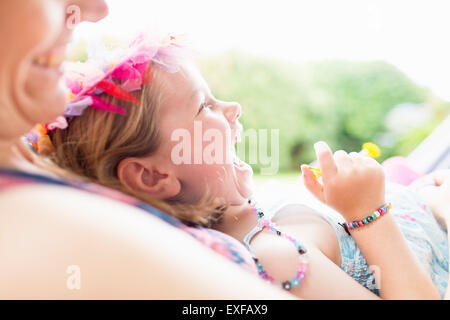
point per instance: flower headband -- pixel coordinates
(114, 72)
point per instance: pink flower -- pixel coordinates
(59, 123)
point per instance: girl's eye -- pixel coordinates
(204, 105)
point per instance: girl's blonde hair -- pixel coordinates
(96, 142)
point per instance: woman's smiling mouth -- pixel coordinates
(48, 66)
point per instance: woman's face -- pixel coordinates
(199, 134)
(34, 35)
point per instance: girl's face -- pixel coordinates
(199, 134)
(34, 35)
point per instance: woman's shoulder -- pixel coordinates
(56, 192)
(58, 202)
(53, 203)
(80, 246)
(47, 230)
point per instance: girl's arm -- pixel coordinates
(324, 279)
(60, 243)
(354, 186)
(400, 273)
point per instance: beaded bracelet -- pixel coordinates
(303, 266)
(378, 213)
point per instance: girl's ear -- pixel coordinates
(141, 175)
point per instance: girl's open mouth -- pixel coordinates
(242, 166)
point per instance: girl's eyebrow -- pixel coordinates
(196, 94)
(197, 100)
(199, 96)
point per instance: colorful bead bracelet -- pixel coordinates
(303, 267)
(378, 213)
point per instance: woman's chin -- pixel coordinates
(41, 108)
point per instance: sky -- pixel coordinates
(413, 35)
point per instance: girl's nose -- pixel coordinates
(92, 10)
(232, 111)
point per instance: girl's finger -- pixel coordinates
(326, 161)
(311, 183)
(364, 152)
(342, 159)
(358, 159)
(355, 155)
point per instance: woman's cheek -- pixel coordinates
(42, 22)
(39, 23)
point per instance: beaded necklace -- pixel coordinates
(303, 259)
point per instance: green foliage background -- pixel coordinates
(342, 102)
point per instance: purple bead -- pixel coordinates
(301, 276)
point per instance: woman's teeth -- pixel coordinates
(51, 61)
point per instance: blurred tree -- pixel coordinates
(342, 102)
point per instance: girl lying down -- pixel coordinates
(122, 129)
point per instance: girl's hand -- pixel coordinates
(353, 184)
(437, 195)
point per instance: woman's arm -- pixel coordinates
(55, 239)
(354, 186)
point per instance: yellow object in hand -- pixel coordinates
(317, 173)
(372, 149)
